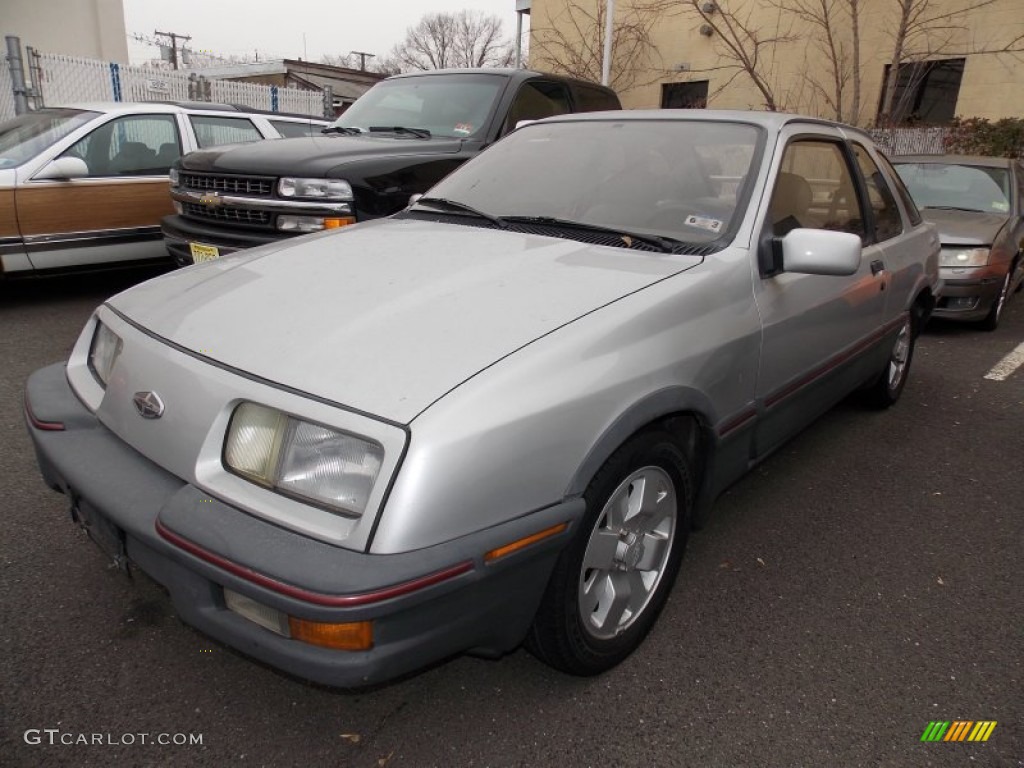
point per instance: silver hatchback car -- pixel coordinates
(497, 416)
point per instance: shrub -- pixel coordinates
(980, 136)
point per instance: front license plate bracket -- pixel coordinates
(107, 536)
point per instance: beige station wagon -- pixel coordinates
(85, 185)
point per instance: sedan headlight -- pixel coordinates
(963, 257)
(103, 352)
(315, 189)
(308, 461)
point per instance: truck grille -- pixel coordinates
(260, 186)
(245, 216)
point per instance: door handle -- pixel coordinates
(877, 266)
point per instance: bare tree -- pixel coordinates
(924, 29)
(461, 39)
(574, 44)
(836, 28)
(745, 48)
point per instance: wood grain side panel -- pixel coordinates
(8, 219)
(81, 206)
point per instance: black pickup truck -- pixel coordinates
(399, 139)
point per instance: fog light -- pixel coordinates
(353, 636)
(962, 303)
(300, 223)
(257, 613)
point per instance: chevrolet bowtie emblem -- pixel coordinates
(149, 405)
(211, 199)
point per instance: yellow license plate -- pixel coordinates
(201, 253)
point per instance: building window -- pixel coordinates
(693, 95)
(926, 92)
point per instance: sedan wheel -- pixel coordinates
(888, 387)
(991, 321)
(613, 579)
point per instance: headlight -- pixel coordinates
(315, 189)
(312, 223)
(301, 459)
(174, 176)
(103, 352)
(963, 257)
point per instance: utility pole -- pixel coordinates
(175, 37)
(362, 59)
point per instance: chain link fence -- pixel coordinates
(60, 79)
(910, 141)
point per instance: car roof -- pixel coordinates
(773, 121)
(509, 72)
(174, 107)
(981, 160)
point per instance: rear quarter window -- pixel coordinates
(295, 130)
(901, 189)
(591, 99)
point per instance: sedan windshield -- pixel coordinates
(448, 105)
(677, 179)
(960, 187)
(26, 136)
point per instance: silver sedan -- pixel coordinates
(497, 416)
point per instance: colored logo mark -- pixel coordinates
(958, 730)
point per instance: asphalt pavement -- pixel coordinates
(863, 582)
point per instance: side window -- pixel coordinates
(212, 131)
(591, 99)
(134, 145)
(814, 190)
(888, 222)
(296, 130)
(538, 99)
(901, 189)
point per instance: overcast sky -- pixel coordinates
(276, 28)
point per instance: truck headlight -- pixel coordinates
(301, 459)
(963, 257)
(314, 189)
(103, 352)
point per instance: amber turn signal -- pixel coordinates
(352, 636)
(336, 223)
(518, 544)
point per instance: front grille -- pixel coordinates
(244, 216)
(259, 186)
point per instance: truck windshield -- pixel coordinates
(26, 136)
(445, 105)
(681, 179)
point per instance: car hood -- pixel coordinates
(387, 316)
(311, 155)
(966, 227)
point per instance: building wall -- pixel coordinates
(795, 67)
(90, 28)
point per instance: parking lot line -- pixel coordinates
(1005, 367)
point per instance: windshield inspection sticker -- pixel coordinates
(704, 222)
(463, 128)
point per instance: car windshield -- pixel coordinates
(672, 178)
(26, 136)
(444, 105)
(964, 187)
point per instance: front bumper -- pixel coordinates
(425, 605)
(967, 299)
(179, 231)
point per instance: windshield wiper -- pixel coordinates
(953, 208)
(445, 204)
(419, 133)
(342, 129)
(663, 244)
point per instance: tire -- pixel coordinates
(885, 390)
(611, 582)
(995, 314)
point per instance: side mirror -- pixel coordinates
(64, 168)
(819, 252)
